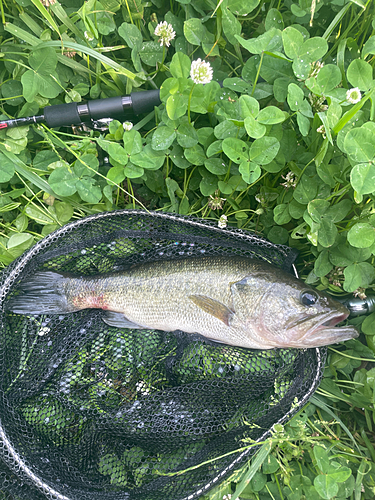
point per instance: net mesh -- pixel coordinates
(90, 411)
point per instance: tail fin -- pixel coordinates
(43, 293)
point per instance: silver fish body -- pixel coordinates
(234, 300)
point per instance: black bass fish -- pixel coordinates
(233, 300)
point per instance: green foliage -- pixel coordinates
(282, 147)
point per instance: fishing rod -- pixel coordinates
(357, 306)
(95, 114)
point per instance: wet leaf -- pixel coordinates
(362, 178)
(162, 138)
(270, 115)
(187, 137)
(180, 65)
(194, 31)
(250, 171)
(328, 78)
(264, 150)
(361, 235)
(293, 41)
(295, 96)
(359, 74)
(151, 53)
(235, 149)
(216, 166)
(326, 486)
(131, 34)
(274, 19)
(357, 275)
(359, 143)
(249, 106)
(63, 181)
(254, 129)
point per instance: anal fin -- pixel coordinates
(118, 320)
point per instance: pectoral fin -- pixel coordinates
(118, 319)
(213, 307)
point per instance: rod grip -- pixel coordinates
(144, 102)
(62, 115)
(111, 107)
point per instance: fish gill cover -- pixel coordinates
(90, 411)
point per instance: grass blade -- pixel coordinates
(260, 457)
(22, 34)
(38, 4)
(318, 402)
(65, 19)
(93, 53)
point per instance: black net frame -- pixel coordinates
(159, 415)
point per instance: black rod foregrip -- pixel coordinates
(111, 107)
(144, 102)
(62, 115)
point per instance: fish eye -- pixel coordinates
(309, 298)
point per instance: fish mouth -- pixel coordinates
(328, 320)
(325, 332)
(334, 320)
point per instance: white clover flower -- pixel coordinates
(315, 67)
(127, 126)
(360, 292)
(216, 202)
(291, 180)
(201, 71)
(165, 33)
(222, 221)
(353, 95)
(321, 130)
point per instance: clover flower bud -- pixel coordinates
(89, 36)
(360, 293)
(291, 180)
(353, 95)
(201, 71)
(322, 130)
(223, 221)
(315, 67)
(165, 32)
(127, 126)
